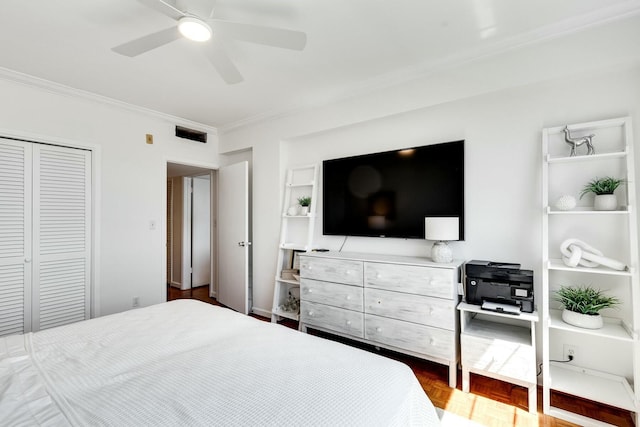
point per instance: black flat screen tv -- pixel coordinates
(389, 194)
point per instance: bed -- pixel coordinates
(186, 362)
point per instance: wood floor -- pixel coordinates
(490, 402)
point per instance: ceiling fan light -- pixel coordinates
(194, 29)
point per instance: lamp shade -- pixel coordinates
(441, 228)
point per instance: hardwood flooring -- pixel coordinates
(489, 402)
(200, 293)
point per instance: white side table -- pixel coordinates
(500, 346)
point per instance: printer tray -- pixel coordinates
(501, 308)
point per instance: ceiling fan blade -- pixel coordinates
(276, 37)
(164, 8)
(148, 42)
(222, 63)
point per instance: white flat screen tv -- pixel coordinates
(389, 194)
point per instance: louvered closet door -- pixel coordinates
(61, 229)
(15, 236)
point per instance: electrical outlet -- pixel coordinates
(569, 352)
(135, 302)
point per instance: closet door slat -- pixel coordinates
(62, 213)
(15, 236)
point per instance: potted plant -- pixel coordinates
(304, 202)
(582, 305)
(603, 188)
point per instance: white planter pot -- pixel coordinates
(304, 210)
(605, 202)
(580, 320)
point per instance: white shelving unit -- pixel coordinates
(606, 367)
(500, 346)
(296, 235)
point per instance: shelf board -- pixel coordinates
(613, 328)
(303, 184)
(589, 126)
(624, 210)
(473, 308)
(557, 264)
(294, 246)
(288, 281)
(298, 216)
(287, 315)
(584, 158)
(593, 385)
(498, 331)
(576, 418)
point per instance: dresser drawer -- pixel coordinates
(335, 294)
(332, 270)
(428, 311)
(332, 318)
(421, 339)
(507, 358)
(428, 281)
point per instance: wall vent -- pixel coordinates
(194, 135)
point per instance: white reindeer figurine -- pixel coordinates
(577, 142)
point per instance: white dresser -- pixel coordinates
(406, 304)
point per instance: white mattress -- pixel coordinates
(190, 363)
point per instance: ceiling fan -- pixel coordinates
(201, 29)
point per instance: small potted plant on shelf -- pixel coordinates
(582, 305)
(603, 188)
(304, 202)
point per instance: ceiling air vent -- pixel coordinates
(194, 135)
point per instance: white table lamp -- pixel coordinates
(441, 229)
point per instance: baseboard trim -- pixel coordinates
(261, 312)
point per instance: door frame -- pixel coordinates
(96, 198)
(213, 168)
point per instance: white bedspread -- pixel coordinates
(190, 363)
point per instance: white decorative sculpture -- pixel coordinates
(576, 252)
(577, 142)
(566, 203)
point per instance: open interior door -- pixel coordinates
(233, 236)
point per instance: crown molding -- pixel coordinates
(563, 28)
(60, 89)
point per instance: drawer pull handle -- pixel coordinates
(430, 311)
(378, 276)
(378, 329)
(348, 297)
(432, 341)
(309, 291)
(348, 322)
(311, 313)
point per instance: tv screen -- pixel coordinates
(389, 194)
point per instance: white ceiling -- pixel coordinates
(352, 46)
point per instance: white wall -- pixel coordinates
(581, 78)
(132, 181)
(502, 131)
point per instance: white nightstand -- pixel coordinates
(500, 346)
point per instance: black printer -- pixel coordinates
(498, 286)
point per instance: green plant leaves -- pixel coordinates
(584, 299)
(606, 185)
